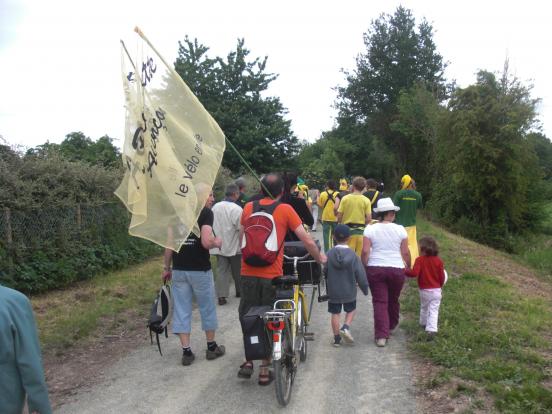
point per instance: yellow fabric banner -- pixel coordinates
(172, 152)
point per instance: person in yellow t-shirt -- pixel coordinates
(326, 202)
(355, 210)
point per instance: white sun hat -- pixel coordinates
(385, 204)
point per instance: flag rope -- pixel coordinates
(248, 167)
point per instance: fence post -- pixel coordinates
(79, 217)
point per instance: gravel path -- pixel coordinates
(351, 379)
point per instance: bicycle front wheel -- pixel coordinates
(284, 371)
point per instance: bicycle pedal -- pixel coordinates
(309, 336)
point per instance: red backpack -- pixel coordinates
(260, 242)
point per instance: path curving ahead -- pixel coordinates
(350, 379)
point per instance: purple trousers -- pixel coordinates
(385, 285)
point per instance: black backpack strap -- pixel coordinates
(330, 197)
(267, 209)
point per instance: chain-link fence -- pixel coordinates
(50, 247)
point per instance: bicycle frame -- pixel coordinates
(285, 311)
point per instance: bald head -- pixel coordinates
(274, 184)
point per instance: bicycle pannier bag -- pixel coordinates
(255, 336)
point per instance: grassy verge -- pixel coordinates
(536, 250)
(493, 339)
(102, 304)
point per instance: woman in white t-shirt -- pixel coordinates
(385, 254)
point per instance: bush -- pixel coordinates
(51, 249)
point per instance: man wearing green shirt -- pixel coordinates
(409, 200)
(21, 373)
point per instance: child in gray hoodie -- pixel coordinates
(344, 271)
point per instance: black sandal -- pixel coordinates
(266, 378)
(246, 370)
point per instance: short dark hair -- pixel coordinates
(231, 189)
(428, 246)
(331, 185)
(273, 183)
(240, 182)
(359, 183)
(371, 183)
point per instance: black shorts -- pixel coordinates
(255, 291)
(335, 308)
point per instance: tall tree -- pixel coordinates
(78, 147)
(233, 90)
(543, 149)
(417, 120)
(487, 170)
(398, 55)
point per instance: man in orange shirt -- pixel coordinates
(257, 288)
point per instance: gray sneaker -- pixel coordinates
(381, 342)
(219, 351)
(188, 359)
(346, 335)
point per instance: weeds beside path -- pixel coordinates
(493, 350)
(83, 329)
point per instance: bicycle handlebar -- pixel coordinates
(296, 257)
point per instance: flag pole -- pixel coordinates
(128, 54)
(143, 36)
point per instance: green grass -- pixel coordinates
(536, 249)
(490, 334)
(103, 305)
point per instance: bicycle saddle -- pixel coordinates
(285, 280)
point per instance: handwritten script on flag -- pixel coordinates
(172, 152)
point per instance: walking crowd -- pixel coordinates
(369, 243)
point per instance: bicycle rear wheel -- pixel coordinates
(284, 370)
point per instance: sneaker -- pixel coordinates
(346, 335)
(381, 342)
(336, 344)
(219, 351)
(222, 301)
(430, 336)
(187, 359)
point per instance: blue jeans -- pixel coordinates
(185, 284)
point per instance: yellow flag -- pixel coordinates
(172, 152)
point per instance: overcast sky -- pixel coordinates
(60, 60)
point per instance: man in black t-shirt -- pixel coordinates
(192, 276)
